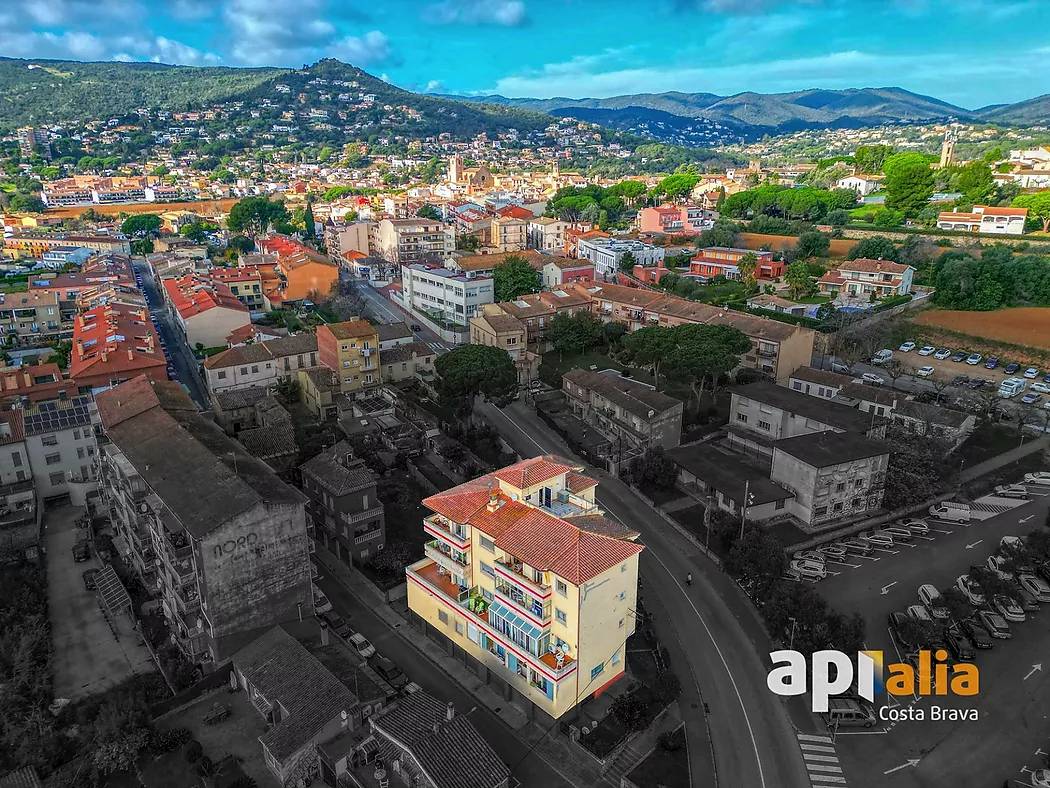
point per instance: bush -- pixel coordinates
(244, 781)
(194, 752)
(671, 741)
(667, 687)
(169, 741)
(629, 711)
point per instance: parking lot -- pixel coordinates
(1014, 695)
(87, 656)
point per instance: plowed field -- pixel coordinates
(1028, 326)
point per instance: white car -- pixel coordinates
(1039, 477)
(942, 354)
(1008, 608)
(809, 570)
(1031, 373)
(931, 599)
(907, 347)
(925, 372)
(927, 350)
(877, 539)
(1012, 543)
(872, 379)
(915, 525)
(1011, 491)
(1035, 586)
(919, 613)
(809, 555)
(360, 644)
(1042, 388)
(970, 590)
(321, 603)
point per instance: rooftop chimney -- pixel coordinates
(131, 355)
(451, 712)
(324, 632)
(437, 728)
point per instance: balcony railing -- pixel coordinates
(767, 352)
(514, 572)
(444, 559)
(368, 536)
(357, 517)
(446, 531)
(535, 609)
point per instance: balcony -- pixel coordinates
(367, 514)
(368, 536)
(437, 580)
(513, 571)
(538, 611)
(447, 559)
(448, 532)
(767, 352)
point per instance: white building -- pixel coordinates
(443, 294)
(60, 444)
(407, 241)
(546, 234)
(985, 219)
(863, 185)
(260, 363)
(606, 254)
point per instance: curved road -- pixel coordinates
(752, 738)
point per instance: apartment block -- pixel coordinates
(33, 316)
(407, 241)
(300, 271)
(725, 261)
(509, 234)
(206, 311)
(208, 528)
(444, 295)
(351, 350)
(60, 444)
(341, 239)
(546, 234)
(623, 409)
(246, 285)
(112, 344)
(527, 577)
(509, 334)
(260, 363)
(606, 253)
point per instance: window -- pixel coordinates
(840, 487)
(76, 435)
(244, 370)
(597, 671)
(487, 543)
(623, 567)
(53, 459)
(855, 502)
(560, 615)
(49, 440)
(57, 479)
(255, 368)
(796, 385)
(778, 505)
(459, 628)
(222, 374)
(16, 458)
(837, 507)
(20, 476)
(442, 616)
(763, 425)
(615, 658)
(486, 569)
(80, 453)
(742, 417)
(563, 589)
(858, 483)
(820, 511)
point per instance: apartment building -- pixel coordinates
(574, 234)
(35, 383)
(37, 244)
(674, 219)
(606, 253)
(260, 363)
(863, 278)
(34, 142)
(344, 511)
(509, 234)
(724, 261)
(507, 333)
(112, 344)
(407, 241)
(985, 219)
(102, 269)
(444, 295)
(408, 361)
(818, 382)
(343, 238)
(527, 578)
(351, 350)
(60, 445)
(211, 529)
(565, 270)
(300, 271)
(535, 310)
(206, 311)
(473, 265)
(20, 532)
(777, 348)
(546, 234)
(246, 285)
(34, 316)
(624, 410)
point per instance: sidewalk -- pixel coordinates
(986, 467)
(563, 757)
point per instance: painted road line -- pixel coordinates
(820, 758)
(826, 779)
(843, 563)
(817, 748)
(811, 737)
(942, 531)
(821, 767)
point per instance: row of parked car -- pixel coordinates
(811, 565)
(172, 374)
(973, 359)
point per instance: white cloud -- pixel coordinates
(163, 50)
(67, 13)
(508, 13)
(434, 86)
(372, 47)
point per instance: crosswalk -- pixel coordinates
(821, 761)
(437, 347)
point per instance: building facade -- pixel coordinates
(407, 241)
(863, 279)
(547, 234)
(606, 254)
(509, 234)
(623, 409)
(260, 363)
(445, 295)
(351, 350)
(985, 219)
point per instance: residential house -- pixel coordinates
(206, 311)
(36, 383)
(443, 295)
(772, 303)
(344, 510)
(509, 333)
(103, 294)
(246, 284)
(865, 278)
(300, 271)
(725, 261)
(112, 344)
(723, 479)
(606, 253)
(260, 363)
(566, 270)
(231, 559)
(407, 362)
(517, 583)
(546, 234)
(624, 410)
(59, 438)
(863, 185)
(818, 382)
(484, 265)
(99, 270)
(869, 399)
(407, 241)
(393, 334)
(351, 350)
(509, 234)
(985, 219)
(321, 393)
(674, 219)
(574, 234)
(33, 317)
(535, 310)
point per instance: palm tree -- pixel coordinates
(746, 266)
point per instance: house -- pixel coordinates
(205, 310)
(535, 310)
(351, 350)
(762, 413)
(300, 271)
(705, 471)
(230, 560)
(60, 445)
(484, 265)
(112, 344)
(444, 295)
(517, 583)
(546, 234)
(863, 185)
(772, 303)
(344, 511)
(674, 219)
(818, 382)
(724, 261)
(575, 233)
(100, 269)
(606, 253)
(565, 270)
(863, 278)
(409, 361)
(925, 419)
(393, 334)
(428, 745)
(246, 284)
(34, 316)
(833, 475)
(321, 392)
(407, 241)
(20, 533)
(509, 234)
(35, 383)
(509, 333)
(260, 363)
(624, 409)
(869, 399)
(985, 219)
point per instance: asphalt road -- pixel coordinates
(1012, 708)
(178, 354)
(386, 312)
(752, 738)
(531, 770)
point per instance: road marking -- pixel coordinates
(816, 748)
(930, 538)
(843, 563)
(1026, 519)
(821, 767)
(886, 589)
(912, 762)
(974, 544)
(1035, 667)
(826, 778)
(869, 557)
(942, 531)
(811, 737)
(819, 758)
(886, 550)
(707, 629)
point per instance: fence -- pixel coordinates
(212, 683)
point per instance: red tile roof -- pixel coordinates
(577, 482)
(115, 341)
(869, 266)
(15, 424)
(246, 273)
(191, 295)
(460, 503)
(528, 473)
(515, 212)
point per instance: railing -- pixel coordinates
(357, 517)
(767, 353)
(368, 536)
(513, 573)
(445, 560)
(533, 608)
(440, 527)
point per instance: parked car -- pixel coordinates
(1031, 398)
(1011, 491)
(838, 366)
(321, 603)
(919, 613)
(809, 570)
(1046, 378)
(337, 624)
(898, 532)
(791, 575)
(931, 598)
(942, 354)
(809, 555)
(1042, 388)
(915, 525)
(832, 552)
(416, 327)
(959, 646)
(1035, 586)
(846, 712)
(960, 380)
(1029, 604)
(1011, 368)
(857, 546)
(951, 511)
(927, 350)
(970, 590)
(1031, 373)
(907, 347)
(959, 355)
(360, 644)
(883, 540)
(390, 673)
(82, 550)
(977, 634)
(89, 576)
(977, 383)
(991, 362)
(1008, 608)
(872, 379)
(882, 358)
(994, 623)
(925, 372)
(1038, 477)
(974, 359)
(996, 564)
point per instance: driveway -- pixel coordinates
(87, 656)
(1012, 721)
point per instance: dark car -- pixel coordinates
(82, 550)
(960, 647)
(1046, 378)
(1028, 603)
(89, 576)
(994, 623)
(991, 363)
(978, 383)
(1011, 368)
(898, 622)
(390, 673)
(977, 634)
(960, 380)
(960, 355)
(416, 327)
(337, 624)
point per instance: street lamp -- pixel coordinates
(791, 642)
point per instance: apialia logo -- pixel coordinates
(833, 672)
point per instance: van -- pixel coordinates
(1011, 387)
(848, 713)
(951, 511)
(882, 358)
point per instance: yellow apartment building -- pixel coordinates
(351, 349)
(526, 576)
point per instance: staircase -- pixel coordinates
(628, 758)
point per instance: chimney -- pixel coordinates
(493, 504)
(104, 354)
(27, 378)
(437, 728)
(451, 712)
(131, 355)
(324, 632)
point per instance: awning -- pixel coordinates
(515, 620)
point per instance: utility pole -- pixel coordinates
(707, 522)
(748, 500)
(791, 643)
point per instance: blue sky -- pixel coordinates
(969, 52)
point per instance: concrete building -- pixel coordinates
(260, 363)
(60, 445)
(525, 579)
(484, 265)
(444, 295)
(300, 271)
(414, 360)
(606, 253)
(351, 350)
(112, 344)
(341, 238)
(509, 234)
(707, 472)
(344, 510)
(206, 311)
(33, 316)
(833, 475)
(985, 219)
(725, 261)
(863, 278)
(928, 420)
(818, 382)
(623, 409)
(407, 241)
(246, 285)
(508, 333)
(863, 185)
(674, 219)
(214, 530)
(566, 270)
(546, 234)
(393, 334)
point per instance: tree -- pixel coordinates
(758, 556)
(798, 280)
(288, 390)
(875, 248)
(614, 332)
(141, 225)
(655, 468)
(957, 604)
(253, 216)
(870, 158)
(63, 350)
(429, 212)
(393, 559)
(747, 265)
(142, 246)
(309, 224)
(514, 278)
(975, 181)
(242, 244)
(895, 369)
(812, 244)
(908, 182)
(628, 261)
(649, 346)
(470, 370)
(837, 218)
(1038, 206)
(26, 203)
(629, 710)
(121, 732)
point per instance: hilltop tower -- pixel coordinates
(948, 149)
(455, 169)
